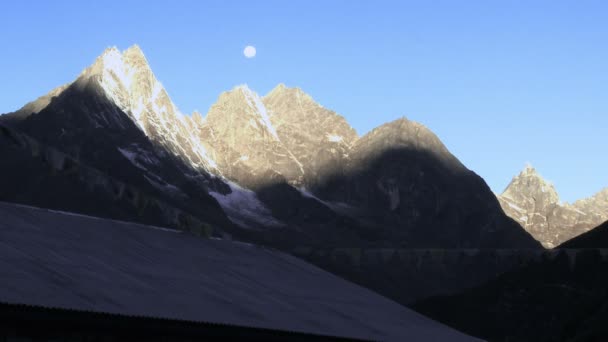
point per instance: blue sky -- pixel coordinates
(501, 83)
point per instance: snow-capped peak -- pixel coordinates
(114, 65)
(128, 81)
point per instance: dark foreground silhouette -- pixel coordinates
(560, 297)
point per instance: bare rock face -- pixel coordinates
(396, 186)
(282, 166)
(244, 143)
(128, 81)
(534, 203)
(594, 207)
(123, 83)
(594, 238)
(118, 119)
(411, 185)
(319, 138)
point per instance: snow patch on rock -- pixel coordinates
(139, 156)
(254, 101)
(243, 206)
(334, 138)
(514, 206)
(128, 81)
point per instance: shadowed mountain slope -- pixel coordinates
(38, 175)
(400, 176)
(560, 297)
(283, 168)
(87, 122)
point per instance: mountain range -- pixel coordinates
(535, 204)
(392, 210)
(279, 169)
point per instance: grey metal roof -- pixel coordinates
(65, 260)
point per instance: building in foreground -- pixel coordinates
(73, 277)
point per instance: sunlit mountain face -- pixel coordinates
(535, 204)
(283, 159)
(393, 210)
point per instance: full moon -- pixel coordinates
(249, 51)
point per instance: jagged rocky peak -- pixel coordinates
(119, 68)
(530, 190)
(196, 122)
(296, 95)
(117, 117)
(594, 207)
(406, 135)
(402, 175)
(529, 171)
(135, 52)
(319, 138)
(197, 117)
(244, 142)
(600, 198)
(535, 204)
(112, 59)
(241, 103)
(293, 107)
(119, 91)
(129, 82)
